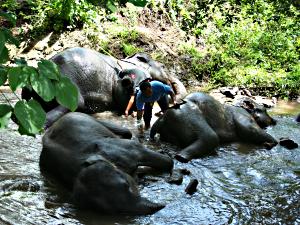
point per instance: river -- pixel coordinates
(239, 185)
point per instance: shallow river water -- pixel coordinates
(239, 185)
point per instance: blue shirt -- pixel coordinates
(158, 90)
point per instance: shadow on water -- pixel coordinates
(238, 185)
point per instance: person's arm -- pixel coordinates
(129, 105)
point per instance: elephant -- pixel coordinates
(101, 80)
(97, 162)
(202, 123)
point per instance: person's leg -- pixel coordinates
(163, 103)
(148, 114)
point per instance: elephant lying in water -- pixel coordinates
(96, 160)
(202, 124)
(98, 79)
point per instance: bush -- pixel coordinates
(252, 43)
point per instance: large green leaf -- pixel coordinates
(67, 93)
(30, 115)
(5, 114)
(3, 75)
(18, 77)
(43, 86)
(48, 69)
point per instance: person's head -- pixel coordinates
(146, 88)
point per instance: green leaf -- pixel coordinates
(5, 114)
(140, 3)
(42, 86)
(48, 69)
(10, 17)
(3, 50)
(67, 93)
(3, 76)
(111, 6)
(9, 37)
(21, 62)
(18, 76)
(30, 115)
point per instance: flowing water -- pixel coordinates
(239, 185)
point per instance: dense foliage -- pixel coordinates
(248, 43)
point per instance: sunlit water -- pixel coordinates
(238, 185)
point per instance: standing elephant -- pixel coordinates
(97, 161)
(98, 79)
(202, 124)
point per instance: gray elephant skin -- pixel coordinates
(97, 77)
(97, 162)
(203, 123)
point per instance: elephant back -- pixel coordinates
(215, 114)
(91, 71)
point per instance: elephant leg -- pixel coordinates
(202, 146)
(97, 102)
(118, 130)
(54, 115)
(59, 111)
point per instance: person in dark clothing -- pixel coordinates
(149, 93)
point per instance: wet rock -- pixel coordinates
(229, 92)
(185, 171)
(191, 188)
(266, 102)
(34, 54)
(43, 44)
(246, 92)
(288, 143)
(21, 185)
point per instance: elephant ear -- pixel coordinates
(127, 82)
(92, 160)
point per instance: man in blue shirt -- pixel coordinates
(149, 93)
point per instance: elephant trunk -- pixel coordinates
(157, 161)
(144, 207)
(155, 128)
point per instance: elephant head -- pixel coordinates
(257, 111)
(156, 71)
(117, 193)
